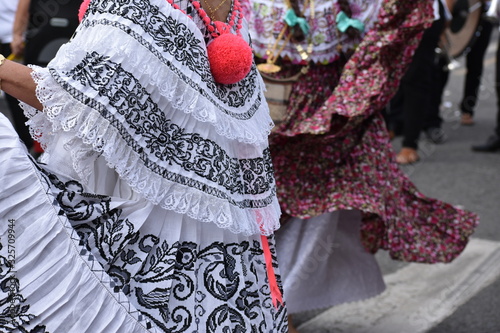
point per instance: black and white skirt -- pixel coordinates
(72, 260)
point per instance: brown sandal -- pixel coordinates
(466, 119)
(407, 156)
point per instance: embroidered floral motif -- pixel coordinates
(14, 308)
(165, 140)
(154, 120)
(171, 283)
(178, 40)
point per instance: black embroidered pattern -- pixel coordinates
(176, 39)
(165, 140)
(172, 283)
(14, 310)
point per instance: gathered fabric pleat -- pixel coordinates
(89, 262)
(45, 281)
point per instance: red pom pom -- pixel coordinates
(230, 58)
(83, 9)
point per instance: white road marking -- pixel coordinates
(417, 297)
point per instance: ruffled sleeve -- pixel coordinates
(134, 86)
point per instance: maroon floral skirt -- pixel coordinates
(333, 151)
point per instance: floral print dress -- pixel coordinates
(333, 151)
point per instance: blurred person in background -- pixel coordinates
(474, 65)
(492, 144)
(7, 15)
(39, 29)
(474, 51)
(409, 108)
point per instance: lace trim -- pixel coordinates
(190, 91)
(91, 135)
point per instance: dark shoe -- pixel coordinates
(435, 134)
(491, 145)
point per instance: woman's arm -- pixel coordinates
(16, 80)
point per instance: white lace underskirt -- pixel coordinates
(324, 263)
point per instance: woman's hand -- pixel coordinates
(17, 46)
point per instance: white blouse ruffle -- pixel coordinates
(241, 132)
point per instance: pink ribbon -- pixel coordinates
(276, 296)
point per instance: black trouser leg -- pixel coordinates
(474, 63)
(393, 113)
(19, 120)
(440, 79)
(414, 104)
(497, 86)
(417, 85)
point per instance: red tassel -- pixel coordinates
(276, 295)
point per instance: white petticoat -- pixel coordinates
(323, 262)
